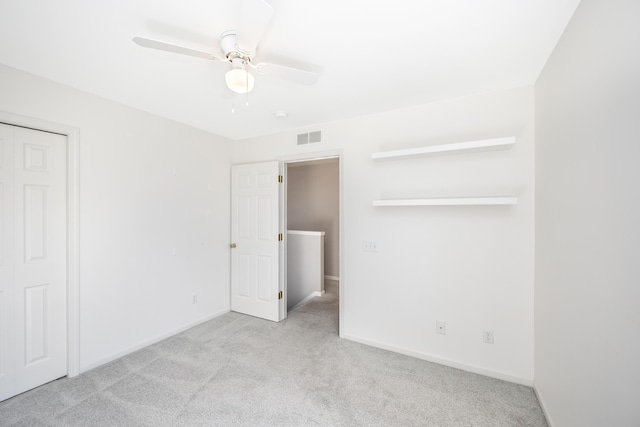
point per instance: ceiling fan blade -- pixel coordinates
(291, 74)
(168, 47)
(254, 18)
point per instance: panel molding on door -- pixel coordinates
(36, 323)
(35, 230)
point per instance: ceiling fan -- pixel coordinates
(239, 47)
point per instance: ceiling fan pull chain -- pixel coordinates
(233, 97)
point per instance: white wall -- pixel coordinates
(587, 303)
(147, 186)
(305, 270)
(469, 266)
(313, 203)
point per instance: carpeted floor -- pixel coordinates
(237, 370)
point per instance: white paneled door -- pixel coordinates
(255, 248)
(33, 259)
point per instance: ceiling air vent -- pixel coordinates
(314, 137)
(309, 137)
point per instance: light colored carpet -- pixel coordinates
(237, 370)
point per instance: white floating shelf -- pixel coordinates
(458, 201)
(458, 147)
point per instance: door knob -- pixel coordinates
(233, 246)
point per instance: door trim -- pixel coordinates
(306, 157)
(73, 227)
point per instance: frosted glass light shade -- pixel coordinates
(239, 80)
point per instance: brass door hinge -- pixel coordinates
(280, 237)
(280, 295)
(280, 179)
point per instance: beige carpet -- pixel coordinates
(237, 370)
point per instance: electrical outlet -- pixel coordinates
(487, 336)
(369, 246)
(441, 327)
(194, 299)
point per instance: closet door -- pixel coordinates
(35, 259)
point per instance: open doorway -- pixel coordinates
(312, 221)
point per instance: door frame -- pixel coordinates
(72, 135)
(307, 157)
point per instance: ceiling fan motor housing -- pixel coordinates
(230, 49)
(228, 42)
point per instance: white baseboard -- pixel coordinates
(147, 343)
(307, 299)
(336, 278)
(542, 405)
(442, 361)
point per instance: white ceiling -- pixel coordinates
(373, 55)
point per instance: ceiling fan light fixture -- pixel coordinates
(239, 80)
